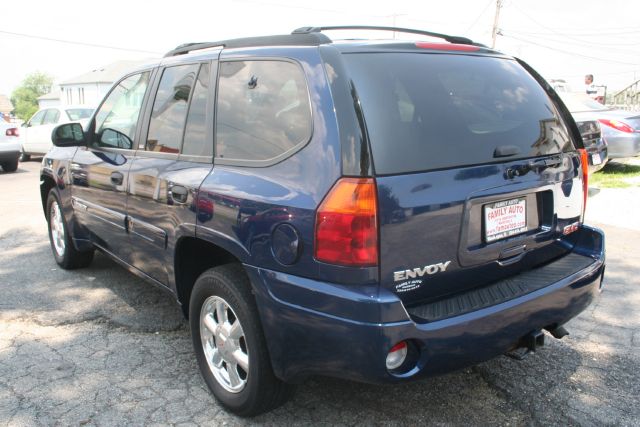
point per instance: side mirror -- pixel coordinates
(68, 135)
(114, 139)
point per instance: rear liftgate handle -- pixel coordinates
(511, 255)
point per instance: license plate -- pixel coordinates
(595, 159)
(504, 219)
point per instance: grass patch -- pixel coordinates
(616, 175)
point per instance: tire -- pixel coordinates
(66, 255)
(225, 292)
(24, 157)
(10, 166)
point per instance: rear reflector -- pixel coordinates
(584, 161)
(346, 224)
(12, 132)
(397, 355)
(447, 46)
(617, 124)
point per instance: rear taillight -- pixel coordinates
(617, 124)
(584, 161)
(12, 132)
(347, 224)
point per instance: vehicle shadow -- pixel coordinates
(19, 170)
(100, 345)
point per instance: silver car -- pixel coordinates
(620, 129)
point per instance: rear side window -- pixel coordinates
(170, 109)
(433, 111)
(79, 113)
(263, 110)
(51, 117)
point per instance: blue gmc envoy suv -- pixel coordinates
(376, 210)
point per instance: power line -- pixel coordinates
(479, 16)
(311, 9)
(615, 42)
(595, 46)
(102, 46)
(542, 25)
(595, 58)
(589, 33)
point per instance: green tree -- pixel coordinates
(25, 97)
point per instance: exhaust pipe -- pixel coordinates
(558, 332)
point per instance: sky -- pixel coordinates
(559, 38)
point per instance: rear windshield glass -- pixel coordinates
(433, 111)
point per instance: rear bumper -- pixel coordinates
(620, 144)
(316, 328)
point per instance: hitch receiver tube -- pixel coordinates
(527, 344)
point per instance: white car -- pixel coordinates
(36, 133)
(9, 146)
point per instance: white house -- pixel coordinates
(87, 89)
(5, 105)
(51, 99)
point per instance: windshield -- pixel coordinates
(79, 113)
(433, 111)
(576, 102)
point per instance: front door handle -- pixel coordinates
(178, 194)
(117, 178)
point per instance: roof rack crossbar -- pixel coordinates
(450, 39)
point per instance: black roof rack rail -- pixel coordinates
(450, 39)
(297, 39)
(189, 47)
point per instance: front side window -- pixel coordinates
(263, 110)
(117, 118)
(170, 109)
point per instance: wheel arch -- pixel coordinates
(193, 256)
(46, 184)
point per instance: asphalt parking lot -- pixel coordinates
(100, 347)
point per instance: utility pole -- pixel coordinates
(494, 32)
(393, 17)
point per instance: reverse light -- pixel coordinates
(397, 355)
(347, 224)
(617, 124)
(12, 132)
(584, 161)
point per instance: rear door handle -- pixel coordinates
(117, 178)
(178, 194)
